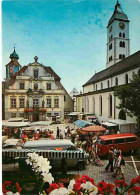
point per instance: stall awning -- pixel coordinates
(93, 129)
(109, 124)
(82, 123)
(73, 114)
(15, 124)
(41, 123)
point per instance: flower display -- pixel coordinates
(9, 188)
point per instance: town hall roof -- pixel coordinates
(118, 14)
(120, 67)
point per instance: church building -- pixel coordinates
(98, 92)
(34, 92)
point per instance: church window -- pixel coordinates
(120, 56)
(35, 86)
(48, 86)
(139, 72)
(111, 37)
(123, 35)
(56, 102)
(110, 105)
(123, 44)
(123, 56)
(101, 85)
(49, 102)
(13, 102)
(120, 34)
(120, 43)
(64, 98)
(116, 81)
(22, 102)
(21, 86)
(126, 79)
(35, 73)
(100, 105)
(35, 102)
(108, 84)
(110, 46)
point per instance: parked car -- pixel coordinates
(125, 142)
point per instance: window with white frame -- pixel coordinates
(13, 102)
(21, 85)
(49, 102)
(22, 102)
(56, 102)
(35, 102)
(49, 86)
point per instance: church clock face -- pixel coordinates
(121, 25)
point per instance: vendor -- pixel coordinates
(24, 137)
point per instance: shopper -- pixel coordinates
(110, 158)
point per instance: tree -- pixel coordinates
(130, 98)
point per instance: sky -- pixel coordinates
(68, 35)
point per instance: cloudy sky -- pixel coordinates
(68, 35)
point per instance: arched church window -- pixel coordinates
(101, 85)
(110, 105)
(120, 34)
(139, 72)
(120, 56)
(108, 84)
(123, 56)
(116, 81)
(100, 105)
(123, 44)
(126, 78)
(123, 35)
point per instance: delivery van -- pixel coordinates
(125, 142)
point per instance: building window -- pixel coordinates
(100, 105)
(56, 103)
(65, 98)
(22, 102)
(120, 34)
(123, 35)
(110, 46)
(108, 84)
(111, 37)
(116, 81)
(122, 44)
(48, 86)
(110, 106)
(101, 85)
(123, 56)
(21, 85)
(13, 102)
(35, 73)
(120, 56)
(126, 79)
(35, 102)
(35, 86)
(22, 115)
(49, 103)
(110, 58)
(13, 115)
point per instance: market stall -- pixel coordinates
(92, 129)
(82, 123)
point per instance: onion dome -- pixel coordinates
(14, 55)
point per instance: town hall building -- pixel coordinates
(98, 92)
(34, 92)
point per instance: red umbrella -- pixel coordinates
(93, 129)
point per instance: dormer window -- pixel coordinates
(21, 86)
(49, 86)
(36, 73)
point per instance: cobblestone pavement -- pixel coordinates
(96, 172)
(99, 173)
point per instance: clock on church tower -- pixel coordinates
(117, 36)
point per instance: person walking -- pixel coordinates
(58, 132)
(110, 158)
(119, 165)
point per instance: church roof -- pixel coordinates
(118, 14)
(120, 67)
(14, 54)
(14, 62)
(74, 91)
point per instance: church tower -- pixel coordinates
(118, 43)
(13, 66)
